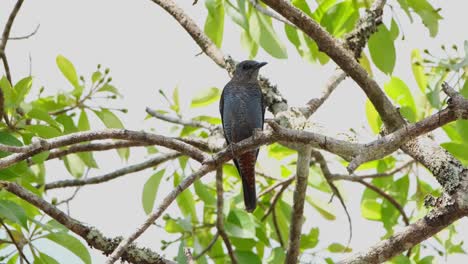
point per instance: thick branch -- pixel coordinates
(70, 139)
(95, 146)
(91, 235)
(220, 216)
(302, 172)
(412, 235)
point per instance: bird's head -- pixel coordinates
(248, 70)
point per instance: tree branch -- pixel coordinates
(27, 35)
(219, 214)
(5, 36)
(152, 162)
(91, 235)
(410, 236)
(95, 146)
(269, 13)
(181, 121)
(74, 138)
(18, 247)
(273, 99)
(297, 218)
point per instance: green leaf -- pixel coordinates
(172, 226)
(338, 248)
(400, 93)
(240, 224)
(279, 152)
(310, 240)
(321, 208)
(83, 122)
(459, 150)
(22, 89)
(214, 24)
(451, 131)
(401, 260)
(277, 256)
(185, 200)
(88, 159)
(340, 18)
(71, 243)
(205, 194)
(109, 88)
(175, 98)
(262, 32)
(428, 14)
(68, 70)
(365, 63)
(382, 50)
(418, 70)
(373, 117)
(74, 165)
(44, 131)
(371, 210)
(462, 128)
(8, 93)
(42, 115)
(206, 97)
(247, 257)
(426, 260)
(8, 139)
(394, 30)
(249, 44)
(13, 212)
(44, 259)
(97, 75)
(464, 90)
(150, 191)
(41, 157)
(110, 120)
(66, 124)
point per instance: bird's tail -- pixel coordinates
(245, 164)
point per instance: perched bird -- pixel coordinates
(242, 112)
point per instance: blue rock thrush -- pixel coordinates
(242, 112)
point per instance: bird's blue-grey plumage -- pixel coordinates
(242, 112)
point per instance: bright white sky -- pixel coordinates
(147, 50)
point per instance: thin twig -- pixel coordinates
(181, 121)
(286, 181)
(210, 245)
(276, 226)
(275, 199)
(326, 172)
(18, 247)
(270, 13)
(152, 162)
(388, 197)
(6, 35)
(26, 36)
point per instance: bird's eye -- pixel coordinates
(244, 67)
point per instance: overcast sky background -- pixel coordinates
(147, 50)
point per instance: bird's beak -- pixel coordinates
(261, 64)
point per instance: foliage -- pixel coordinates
(255, 239)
